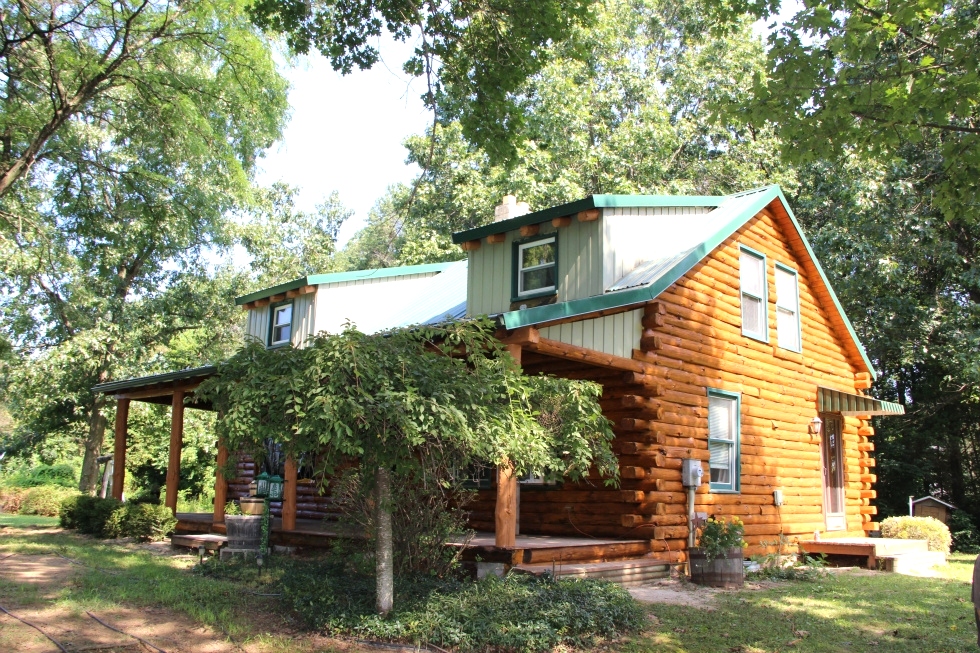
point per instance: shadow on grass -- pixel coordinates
(845, 612)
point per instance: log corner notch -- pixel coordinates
(470, 245)
(862, 381)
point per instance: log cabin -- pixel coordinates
(708, 322)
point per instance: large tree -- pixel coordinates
(626, 105)
(411, 405)
(104, 248)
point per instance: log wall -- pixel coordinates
(310, 503)
(692, 339)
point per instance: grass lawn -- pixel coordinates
(846, 611)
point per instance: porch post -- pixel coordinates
(119, 450)
(289, 496)
(505, 511)
(176, 444)
(220, 484)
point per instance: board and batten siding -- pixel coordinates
(491, 267)
(304, 316)
(368, 303)
(617, 334)
(629, 231)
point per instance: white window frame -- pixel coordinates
(791, 308)
(734, 404)
(762, 299)
(274, 310)
(521, 269)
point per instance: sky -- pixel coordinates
(345, 133)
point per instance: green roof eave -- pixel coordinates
(590, 202)
(552, 312)
(155, 379)
(340, 277)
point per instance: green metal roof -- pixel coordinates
(845, 403)
(738, 209)
(155, 379)
(340, 277)
(590, 202)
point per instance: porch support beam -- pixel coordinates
(505, 510)
(220, 484)
(176, 444)
(289, 496)
(119, 448)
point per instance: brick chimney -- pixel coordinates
(510, 208)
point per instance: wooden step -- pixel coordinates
(628, 573)
(209, 541)
(919, 562)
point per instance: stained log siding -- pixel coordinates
(691, 338)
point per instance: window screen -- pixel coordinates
(752, 278)
(787, 309)
(723, 440)
(282, 323)
(536, 267)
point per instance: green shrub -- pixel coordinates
(964, 533)
(918, 528)
(146, 522)
(90, 515)
(60, 475)
(44, 500)
(516, 613)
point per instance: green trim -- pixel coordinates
(799, 319)
(341, 277)
(155, 379)
(849, 404)
(643, 294)
(764, 336)
(515, 267)
(735, 487)
(590, 202)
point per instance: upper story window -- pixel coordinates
(752, 278)
(723, 440)
(281, 324)
(788, 309)
(536, 267)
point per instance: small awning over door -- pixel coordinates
(835, 401)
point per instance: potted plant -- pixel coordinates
(717, 560)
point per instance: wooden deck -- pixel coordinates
(528, 549)
(871, 549)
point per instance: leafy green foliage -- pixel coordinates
(918, 528)
(90, 515)
(624, 106)
(716, 536)
(143, 521)
(963, 532)
(474, 56)
(872, 78)
(44, 500)
(62, 475)
(516, 613)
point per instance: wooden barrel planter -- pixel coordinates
(244, 531)
(725, 570)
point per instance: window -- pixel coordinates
(281, 324)
(752, 278)
(723, 436)
(787, 309)
(536, 267)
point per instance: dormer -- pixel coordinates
(373, 300)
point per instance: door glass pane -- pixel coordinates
(833, 470)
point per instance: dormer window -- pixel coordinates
(281, 324)
(536, 271)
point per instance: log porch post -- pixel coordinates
(505, 511)
(176, 444)
(289, 496)
(220, 484)
(119, 449)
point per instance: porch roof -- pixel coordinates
(158, 388)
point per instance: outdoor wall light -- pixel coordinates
(262, 485)
(814, 427)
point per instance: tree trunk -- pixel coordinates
(93, 446)
(383, 542)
